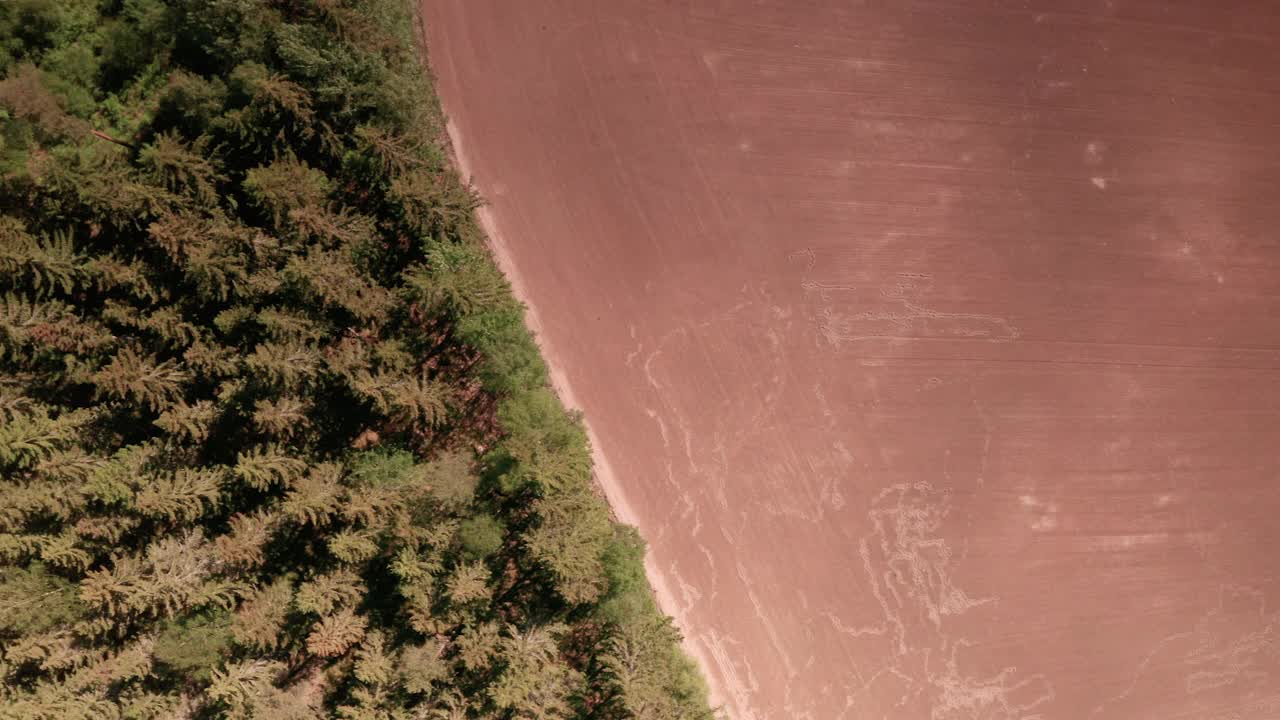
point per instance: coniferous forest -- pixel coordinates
(275, 440)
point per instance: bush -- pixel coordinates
(480, 536)
(193, 646)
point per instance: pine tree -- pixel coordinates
(48, 265)
(450, 479)
(13, 403)
(373, 665)
(190, 421)
(241, 688)
(395, 153)
(218, 271)
(72, 465)
(131, 376)
(570, 541)
(636, 679)
(468, 584)
(131, 277)
(133, 662)
(48, 652)
(289, 365)
(63, 551)
(332, 278)
(21, 318)
(325, 594)
(170, 577)
(458, 278)
(169, 325)
(534, 683)
(479, 645)
(372, 506)
(421, 666)
(182, 168)
(315, 497)
(30, 438)
(285, 325)
(267, 466)
(421, 601)
(260, 621)
(211, 360)
(282, 417)
(353, 546)
(33, 600)
(408, 400)
(333, 227)
(434, 204)
(336, 633)
(183, 496)
(286, 184)
(450, 707)
(647, 677)
(244, 545)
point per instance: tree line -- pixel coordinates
(275, 440)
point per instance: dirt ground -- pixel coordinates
(933, 346)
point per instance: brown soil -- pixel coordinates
(933, 346)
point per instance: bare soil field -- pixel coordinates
(933, 346)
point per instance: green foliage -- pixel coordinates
(285, 185)
(535, 682)
(627, 596)
(384, 467)
(512, 362)
(547, 448)
(264, 467)
(181, 168)
(33, 600)
(275, 440)
(480, 536)
(570, 541)
(458, 279)
(193, 646)
(650, 677)
(48, 264)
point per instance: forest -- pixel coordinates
(276, 442)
